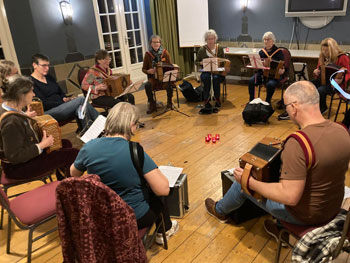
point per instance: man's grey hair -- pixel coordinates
(269, 35)
(120, 119)
(210, 32)
(304, 92)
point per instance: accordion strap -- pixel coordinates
(267, 54)
(245, 178)
(306, 145)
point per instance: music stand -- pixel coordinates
(170, 77)
(211, 65)
(256, 63)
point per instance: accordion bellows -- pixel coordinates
(50, 125)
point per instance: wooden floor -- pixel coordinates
(179, 140)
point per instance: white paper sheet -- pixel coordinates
(131, 88)
(346, 192)
(82, 110)
(95, 129)
(171, 172)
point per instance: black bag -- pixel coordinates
(257, 113)
(189, 92)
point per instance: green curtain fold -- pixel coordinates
(164, 23)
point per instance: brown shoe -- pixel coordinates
(210, 206)
(152, 108)
(273, 230)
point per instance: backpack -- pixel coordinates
(191, 94)
(257, 111)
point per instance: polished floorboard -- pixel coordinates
(175, 139)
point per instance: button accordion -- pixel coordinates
(116, 84)
(50, 125)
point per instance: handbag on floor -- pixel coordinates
(257, 111)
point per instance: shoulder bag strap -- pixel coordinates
(306, 145)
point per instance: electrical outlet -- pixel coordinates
(243, 70)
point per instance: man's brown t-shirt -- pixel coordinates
(324, 185)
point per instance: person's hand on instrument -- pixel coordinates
(281, 71)
(237, 173)
(317, 72)
(151, 71)
(46, 141)
(101, 86)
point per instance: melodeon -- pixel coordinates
(38, 107)
(224, 64)
(116, 84)
(275, 66)
(162, 67)
(262, 162)
(50, 125)
(326, 71)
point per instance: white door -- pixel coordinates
(7, 49)
(121, 29)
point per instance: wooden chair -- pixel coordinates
(30, 210)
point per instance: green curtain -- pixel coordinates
(164, 23)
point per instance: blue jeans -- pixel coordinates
(206, 79)
(271, 84)
(234, 198)
(323, 91)
(70, 109)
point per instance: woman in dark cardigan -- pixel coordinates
(22, 148)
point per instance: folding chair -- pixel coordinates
(30, 210)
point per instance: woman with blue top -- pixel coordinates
(110, 158)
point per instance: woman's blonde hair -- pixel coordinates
(269, 35)
(120, 119)
(333, 51)
(6, 67)
(210, 32)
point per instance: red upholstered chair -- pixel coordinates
(95, 224)
(30, 210)
(299, 231)
(8, 183)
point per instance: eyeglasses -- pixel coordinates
(286, 105)
(44, 65)
(156, 42)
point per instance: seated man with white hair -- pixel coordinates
(304, 195)
(271, 52)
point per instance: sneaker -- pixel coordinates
(273, 230)
(283, 116)
(210, 206)
(174, 228)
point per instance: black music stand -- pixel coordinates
(210, 65)
(171, 77)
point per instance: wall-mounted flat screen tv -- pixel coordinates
(297, 8)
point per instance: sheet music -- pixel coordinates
(131, 88)
(173, 73)
(82, 110)
(95, 129)
(256, 62)
(171, 172)
(210, 64)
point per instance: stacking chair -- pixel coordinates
(30, 210)
(8, 183)
(95, 224)
(299, 231)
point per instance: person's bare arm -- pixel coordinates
(74, 171)
(158, 182)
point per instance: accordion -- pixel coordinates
(275, 66)
(262, 162)
(38, 107)
(162, 67)
(327, 71)
(50, 125)
(116, 84)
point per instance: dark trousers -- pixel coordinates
(346, 120)
(271, 85)
(206, 79)
(44, 163)
(149, 91)
(109, 101)
(156, 207)
(323, 91)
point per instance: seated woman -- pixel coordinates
(109, 157)
(211, 50)
(271, 52)
(94, 79)
(55, 102)
(21, 147)
(154, 55)
(330, 54)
